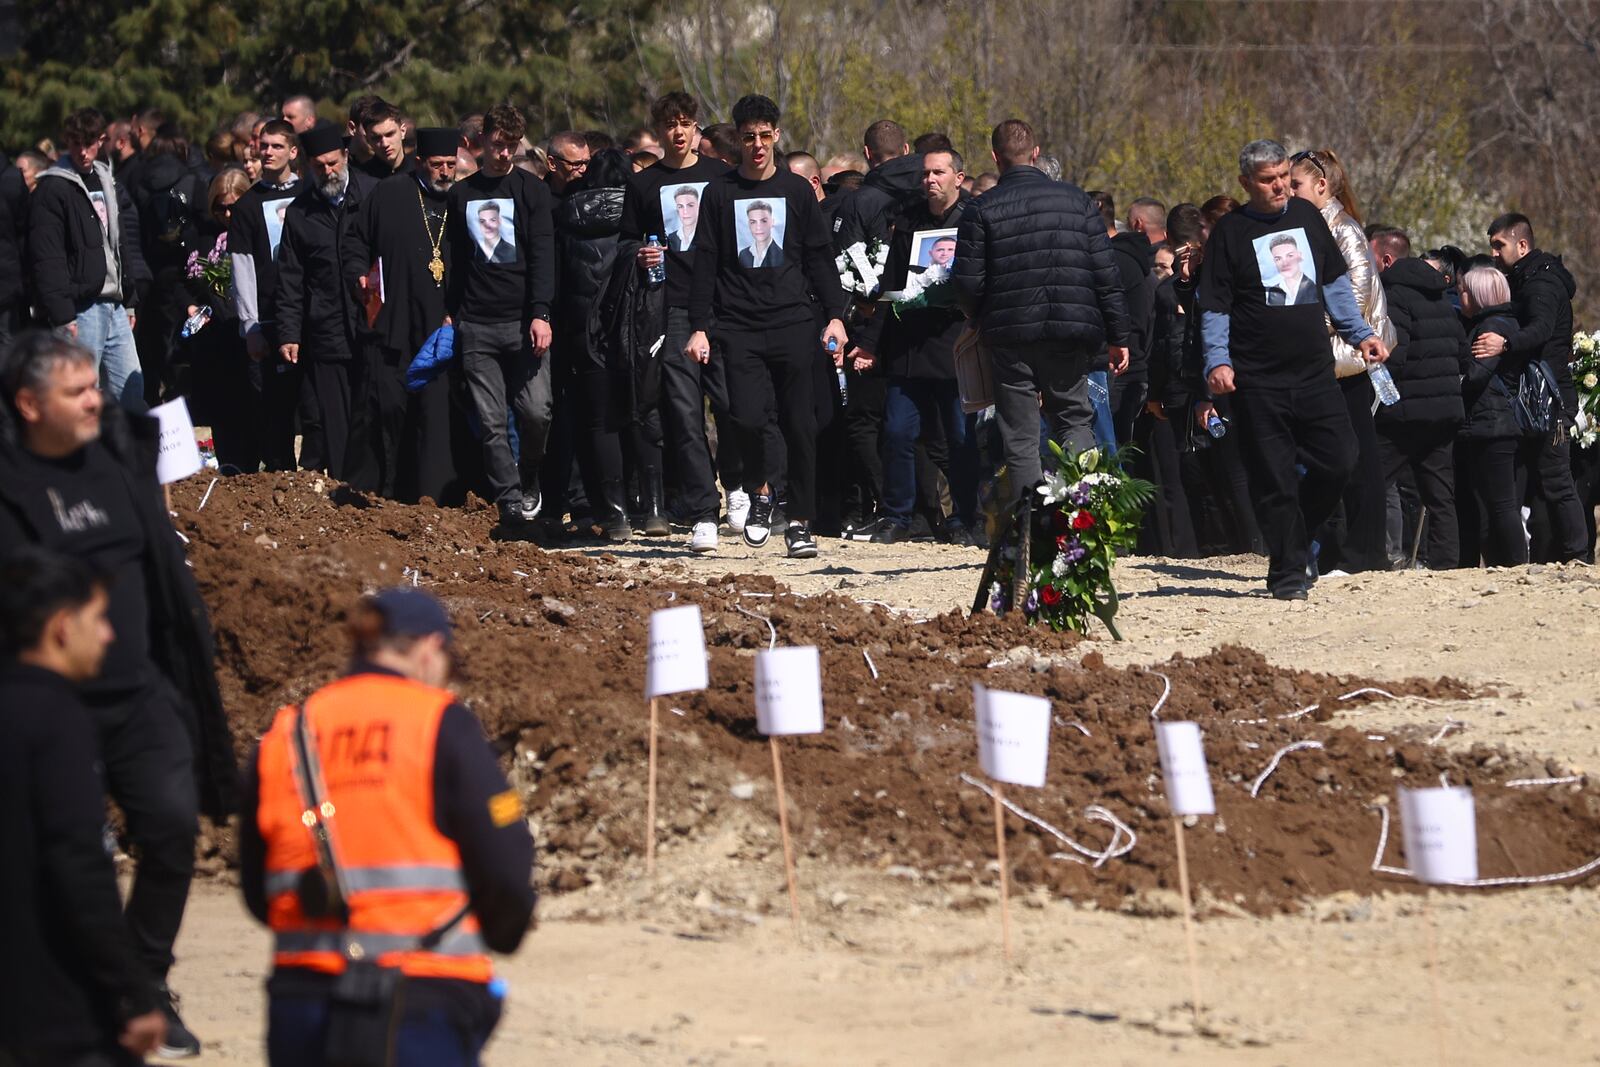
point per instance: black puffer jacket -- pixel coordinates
(588, 234)
(1135, 258)
(866, 214)
(171, 200)
(1487, 385)
(1542, 290)
(1034, 268)
(1426, 359)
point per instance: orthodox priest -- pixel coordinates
(403, 446)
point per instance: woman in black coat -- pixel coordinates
(588, 238)
(1492, 447)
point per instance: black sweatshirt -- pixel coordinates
(253, 247)
(70, 976)
(497, 861)
(653, 207)
(731, 294)
(516, 280)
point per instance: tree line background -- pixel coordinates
(1446, 111)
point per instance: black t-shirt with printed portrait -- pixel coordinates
(662, 201)
(1267, 275)
(761, 251)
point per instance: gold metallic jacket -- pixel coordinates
(1363, 269)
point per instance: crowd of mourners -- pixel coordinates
(649, 333)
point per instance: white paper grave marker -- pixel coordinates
(178, 454)
(789, 691)
(1183, 767)
(1440, 828)
(1441, 834)
(788, 702)
(675, 663)
(1013, 746)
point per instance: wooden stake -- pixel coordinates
(1005, 874)
(783, 826)
(1188, 920)
(650, 805)
(1433, 970)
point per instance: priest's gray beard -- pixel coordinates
(335, 185)
(441, 185)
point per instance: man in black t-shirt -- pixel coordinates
(663, 201)
(763, 315)
(1272, 271)
(500, 281)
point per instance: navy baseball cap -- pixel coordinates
(409, 612)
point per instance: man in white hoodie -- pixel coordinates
(84, 257)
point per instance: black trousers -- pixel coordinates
(1127, 401)
(1277, 426)
(1491, 466)
(1358, 543)
(772, 378)
(325, 403)
(1551, 474)
(863, 430)
(149, 768)
(1428, 451)
(686, 385)
(1169, 530)
(377, 420)
(279, 383)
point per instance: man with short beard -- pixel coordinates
(401, 447)
(319, 317)
(384, 130)
(252, 249)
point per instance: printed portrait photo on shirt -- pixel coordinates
(933, 248)
(758, 226)
(1288, 271)
(492, 224)
(680, 214)
(272, 213)
(98, 199)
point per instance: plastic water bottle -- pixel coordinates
(1383, 384)
(658, 273)
(1216, 426)
(196, 322)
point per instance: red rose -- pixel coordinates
(1082, 520)
(1049, 596)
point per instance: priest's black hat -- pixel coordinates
(321, 139)
(437, 141)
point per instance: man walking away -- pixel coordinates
(1542, 290)
(84, 255)
(78, 477)
(1035, 274)
(1272, 270)
(72, 988)
(500, 304)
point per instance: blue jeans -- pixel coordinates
(912, 405)
(1105, 428)
(297, 1031)
(103, 329)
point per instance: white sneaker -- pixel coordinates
(704, 537)
(738, 509)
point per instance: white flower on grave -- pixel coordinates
(1055, 489)
(1059, 565)
(1090, 459)
(1590, 380)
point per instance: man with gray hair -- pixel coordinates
(1271, 359)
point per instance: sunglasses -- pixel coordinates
(764, 136)
(1309, 156)
(575, 164)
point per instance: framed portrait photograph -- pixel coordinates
(492, 225)
(933, 248)
(758, 227)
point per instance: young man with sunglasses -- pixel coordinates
(763, 317)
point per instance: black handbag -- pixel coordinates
(1536, 406)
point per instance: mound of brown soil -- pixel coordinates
(551, 649)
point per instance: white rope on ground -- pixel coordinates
(672, 595)
(771, 629)
(873, 667)
(1074, 724)
(1299, 714)
(1348, 696)
(1255, 786)
(767, 596)
(207, 495)
(1166, 691)
(1449, 724)
(1094, 813)
(1386, 693)
(179, 532)
(1516, 783)
(1379, 867)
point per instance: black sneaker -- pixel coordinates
(801, 544)
(891, 533)
(531, 503)
(179, 1042)
(862, 529)
(956, 533)
(1292, 592)
(758, 526)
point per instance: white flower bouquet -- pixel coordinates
(861, 268)
(1586, 377)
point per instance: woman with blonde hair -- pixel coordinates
(1318, 176)
(1490, 440)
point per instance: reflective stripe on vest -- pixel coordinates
(362, 879)
(455, 943)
